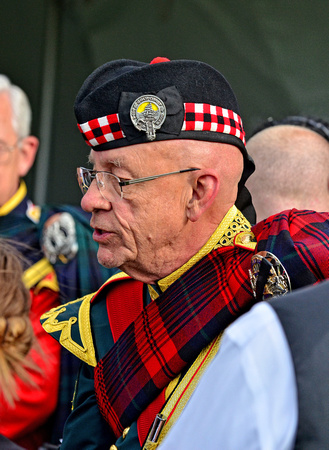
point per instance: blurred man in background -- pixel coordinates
(61, 264)
(292, 165)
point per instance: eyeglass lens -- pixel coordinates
(5, 151)
(108, 184)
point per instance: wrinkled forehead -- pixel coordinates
(106, 158)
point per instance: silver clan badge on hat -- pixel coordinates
(147, 113)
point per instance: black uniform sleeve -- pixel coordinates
(85, 427)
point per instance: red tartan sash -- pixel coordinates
(121, 312)
(168, 335)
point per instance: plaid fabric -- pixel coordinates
(204, 117)
(300, 240)
(101, 130)
(169, 334)
(171, 331)
(198, 117)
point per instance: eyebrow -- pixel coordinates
(113, 162)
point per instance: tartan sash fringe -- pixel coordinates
(170, 332)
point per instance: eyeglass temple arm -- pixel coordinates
(153, 177)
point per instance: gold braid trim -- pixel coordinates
(86, 352)
(51, 324)
(178, 400)
(238, 224)
(34, 274)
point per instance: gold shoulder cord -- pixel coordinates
(178, 400)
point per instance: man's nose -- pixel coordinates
(93, 199)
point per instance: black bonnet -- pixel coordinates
(127, 102)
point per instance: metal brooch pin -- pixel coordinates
(147, 113)
(268, 276)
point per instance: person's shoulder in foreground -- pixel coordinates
(265, 386)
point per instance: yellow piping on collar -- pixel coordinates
(15, 200)
(232, 223)
(48, 283)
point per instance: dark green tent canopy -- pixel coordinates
(274, 54)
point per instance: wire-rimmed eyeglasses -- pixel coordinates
(109, 185)
(6, 150)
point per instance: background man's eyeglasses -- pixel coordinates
(6, 150)
(109, 185)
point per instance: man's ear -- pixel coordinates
(205, 190)
(28, 149)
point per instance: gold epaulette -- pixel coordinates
(41, 274)
(62, 318)
(48, 282)
(59, 322)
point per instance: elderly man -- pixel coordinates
(165, 191)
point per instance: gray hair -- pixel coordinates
(22, 114)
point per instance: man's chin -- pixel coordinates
(107, 259)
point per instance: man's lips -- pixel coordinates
(100, 235)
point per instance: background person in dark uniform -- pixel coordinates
(60, 264)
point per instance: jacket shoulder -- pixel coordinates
(69, 324)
